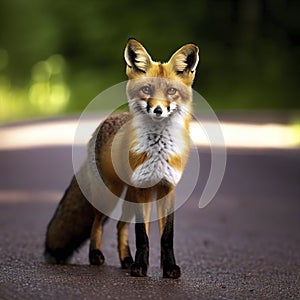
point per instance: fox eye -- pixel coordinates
(146, 90)
(171, 91)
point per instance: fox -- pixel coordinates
(143, 151)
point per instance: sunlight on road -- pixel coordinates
(61, 133)
(239, 135)
(17, 196)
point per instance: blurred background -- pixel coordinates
(56, 56)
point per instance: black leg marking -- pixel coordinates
(170, 269)
(96, 257)
(140, 266)
(127, 262)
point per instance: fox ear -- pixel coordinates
(185, 60)
(136, 56)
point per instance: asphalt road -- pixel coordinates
(244, 245)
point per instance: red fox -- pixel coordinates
(157, 139)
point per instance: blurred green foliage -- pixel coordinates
(56, 56)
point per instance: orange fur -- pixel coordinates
(176, 161)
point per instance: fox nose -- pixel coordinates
(158, 111)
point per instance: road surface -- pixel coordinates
(244, 244)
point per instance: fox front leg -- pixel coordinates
(165, 208)
(140, 266)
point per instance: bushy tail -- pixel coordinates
(70, 226)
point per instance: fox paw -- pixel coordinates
(126, 262)
(138, 270)
(171, 271)
(96, 257)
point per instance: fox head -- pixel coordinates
(160, 89)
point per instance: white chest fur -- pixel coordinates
(160, 140)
